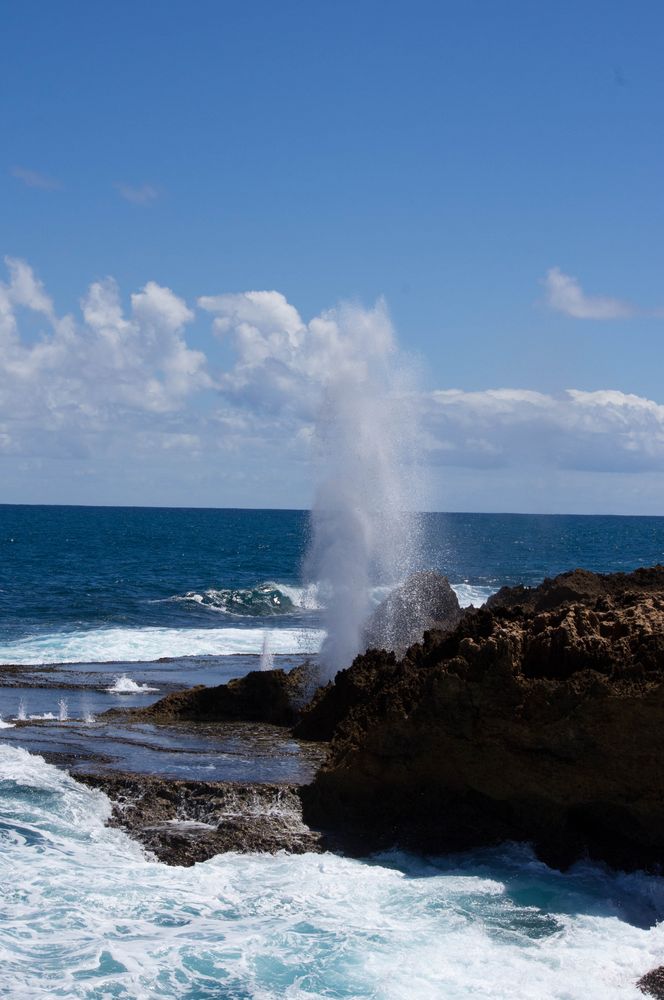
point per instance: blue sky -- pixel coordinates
(447, 156)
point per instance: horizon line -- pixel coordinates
(307, 510)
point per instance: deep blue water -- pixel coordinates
(80, 568)
(109, 565)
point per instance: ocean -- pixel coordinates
(112, 607)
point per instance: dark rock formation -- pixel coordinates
(272, 696)
(425, 601)
(652, 984)
(351, 689)
(578, 585)
(539, 718)
(183, 822)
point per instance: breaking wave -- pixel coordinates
(87, 915)
(264, 599)
(474, 594)
(133, 645)
(282, 598)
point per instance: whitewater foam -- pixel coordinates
(88, 915)
(126, 685)
(474, 594)
(117, 645)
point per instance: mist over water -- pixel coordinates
(267, 656)
(364, 529)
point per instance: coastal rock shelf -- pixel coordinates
(271, 696)
(540, 718)
(183, 822)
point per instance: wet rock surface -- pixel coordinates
(652, 984)
(272, 696)
(540, 717)
(183, 822)
(425, 601)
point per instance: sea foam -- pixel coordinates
(126, 685)
(88, 915)
(116, 645)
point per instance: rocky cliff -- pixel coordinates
(540, 717)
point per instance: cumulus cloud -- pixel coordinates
(564, 294)
(145, 194)
(117, 377)
(606, 430)
(283, 362)
(35, 179)
(91, 374)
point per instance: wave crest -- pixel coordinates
(264, 599)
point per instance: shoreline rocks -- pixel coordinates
(652, 984)
(184, 822)
(540, 718)
(271, 696)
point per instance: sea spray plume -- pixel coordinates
(340, 372)
(267, 656)
(363, 526)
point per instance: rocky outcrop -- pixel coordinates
(425, 601)
(351, 690)
(652, 984)
(579, 586)
(272, 696)
(538, 718)
(183, 822)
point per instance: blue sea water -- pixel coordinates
(91, 601)
(100, 584)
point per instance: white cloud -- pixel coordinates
(142, 195)
(35, 179)
(282, 362)
(565, 295)
(117, 387)
(101, 375)
(607, 430)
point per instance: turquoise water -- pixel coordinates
(86, 915)
(91, 601)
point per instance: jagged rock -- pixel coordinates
(652, 984)
(273, 696)
(425, 601)
(539, 718)
(183, 822)
(351, 688)
(578, 585)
